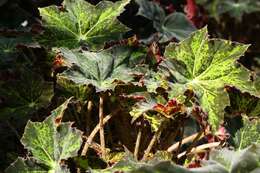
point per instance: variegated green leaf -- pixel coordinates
(143, 107)
(146, 109)
(82, 23)
(248, 134)
(206, 66)
(102, 69)
(49, 142)
(68, 89)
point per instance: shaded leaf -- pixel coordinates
(221, 161)
(162, 167)
(8, 52)
(242, 103)
(25, 166)
(68, 88)
(228, 161)
(235, 9)
(102, 69)
(15, 17)
(25, 96)
(82, 23)
(175, 25)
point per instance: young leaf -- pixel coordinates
(206, 66)
(175, 25)
(248, 134)
(50, 142)
(143, 106)
(82, 23)
(101, 69)
(156, 110)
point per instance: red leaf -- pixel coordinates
(191, 9)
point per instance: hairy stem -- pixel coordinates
(180, 142)
(152, 142)
(194, 142)
(88, 116)
(184, 141)
(93, 134)
(201, 148)
(101, 125)
(137, 143)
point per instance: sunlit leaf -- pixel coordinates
(82, 24)
(50, 142)
(205, 66)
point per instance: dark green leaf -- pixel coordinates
(25, 96)
(175, 25)
(102, 69)
(235, 8)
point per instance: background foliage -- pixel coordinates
(135, 86)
